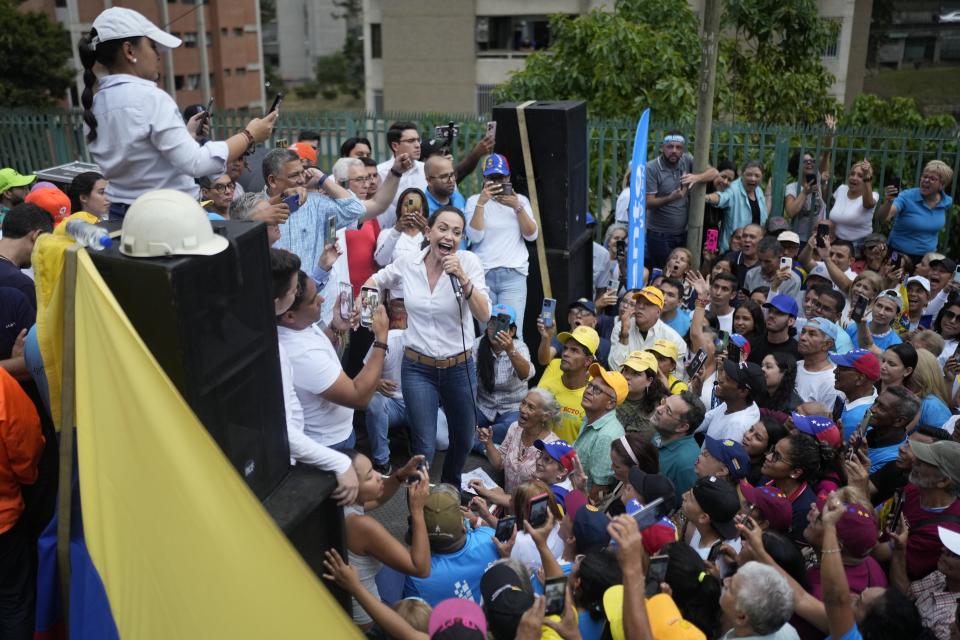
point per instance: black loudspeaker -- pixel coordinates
(302, 508)
(209, 321)
(557, 132)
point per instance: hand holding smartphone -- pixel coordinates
(548, 311)
(369, 301)
(555, 592)
(537, 510)
(505, 527)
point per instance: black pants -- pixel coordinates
(18, 583)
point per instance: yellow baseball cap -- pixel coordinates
(587, 336)
(651, 295)
(640, 361)
(666, 623)
(614, 379)
(666, 348)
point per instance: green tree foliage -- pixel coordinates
(34, 52)
(619, 62)
(897, 113)
(646, 53)
(774, 72)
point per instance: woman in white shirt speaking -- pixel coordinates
(134, 129)
(498, 222)
(442, 288)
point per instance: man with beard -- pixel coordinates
(929, 502)
(566, 378)
(675, 420)
(781, 317)
(747, 257)
(669, 178)
(442, 184)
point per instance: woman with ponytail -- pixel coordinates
(794, 466)
(134, 129)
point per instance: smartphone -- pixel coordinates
(492, 129)
(555, 591)
(693, 368)
(715, 551)
(277, 101)
(810, 178)
(293, 202)
(956, 274)
(858, 309)
(207, 114)
(713, 241)
(331, 233)
(656, 573)
(505, 528)
(855, 447)
(412, 204)
(895, 259)
(733, 352)
(895, 510)
(613, 285)
(548, 311)
(722, 342)
(893, 181)
(537, 510)
(745, 520)
(646, 515)
(506, 189)
(346, 299)
(621, 250)
(369, 300)
(414, 478)
(502, 323)
(823, 230)
(786, 263)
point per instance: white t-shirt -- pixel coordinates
(315, 369)
(704, 552)
(726, 321)
(500, 243)
(720, 426)
(851, 220)
(816, 386)
(392, 360)
(302, 448)
(622, 208)
(525, 549)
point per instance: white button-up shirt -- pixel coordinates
(434, 326)
(143, 144)
(636, 342)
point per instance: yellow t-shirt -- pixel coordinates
(571, 409)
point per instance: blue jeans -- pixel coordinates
(383, 414)
(500, 423)
(349, 443)
(507, 286)
(425, 389)
(659, 246)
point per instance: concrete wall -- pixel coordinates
(429, 56)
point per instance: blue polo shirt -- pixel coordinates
(917, 226)
(680, 322)
(456, 200)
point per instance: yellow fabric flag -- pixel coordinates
(183, 547)
(48, 259)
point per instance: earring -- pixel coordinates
(134, 61)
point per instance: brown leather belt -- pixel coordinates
(438, 363)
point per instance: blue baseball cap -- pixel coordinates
(784, 304)
(496, 163)
(559, 450)
(863, 360)
(590, 529)
(506, 310)
(731, 453)
(590, 219)
(819, 427)
(585, 304)
(841, 341)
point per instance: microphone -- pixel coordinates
(457, 289)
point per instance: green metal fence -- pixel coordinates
(31, 140)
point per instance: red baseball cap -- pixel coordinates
(772, 503)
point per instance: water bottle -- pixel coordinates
(90, 236)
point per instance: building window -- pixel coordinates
(224, 32)
(376, 43)
(238, 31)
(193, 81)
(190, 39)
(832, 50)
(512, 33)
(241, 71)
(378, 100)
(485, 97)
(227, 72)
(178, 82)
(209, 39)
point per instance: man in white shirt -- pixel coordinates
(639, 330)
(815, 373)
(736, 384)
(328, 396)
(402, 137)
(285, 270)
(723, 289)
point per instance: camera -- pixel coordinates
(444, 135)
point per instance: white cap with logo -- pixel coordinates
(117, 23)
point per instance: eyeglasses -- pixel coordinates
(410, 140)
(223, 187)
(950, 315)
(361, 179)
(774, 456)
(594, 389)
(444, 177)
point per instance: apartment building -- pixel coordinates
(304, 31)
(448, 55)
(230, 29)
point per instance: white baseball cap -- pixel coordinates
(920, 280)
(117, 23)
(788, 236)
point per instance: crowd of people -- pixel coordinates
(762, 447)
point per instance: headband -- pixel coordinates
(626, 445)
(674, 138)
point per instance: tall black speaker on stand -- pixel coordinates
(557, 133)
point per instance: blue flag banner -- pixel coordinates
(637, 234)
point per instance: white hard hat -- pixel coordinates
(168, 223)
